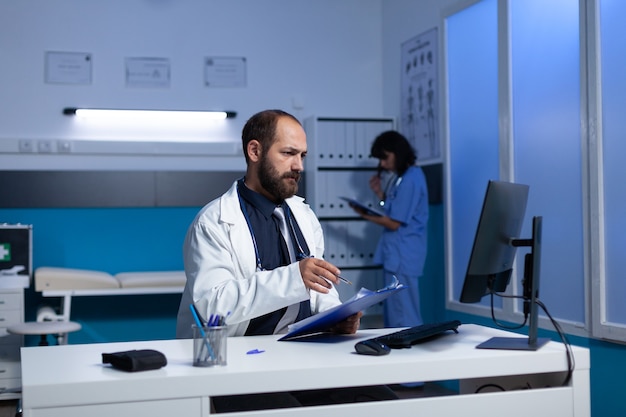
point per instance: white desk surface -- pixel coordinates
(73, 374)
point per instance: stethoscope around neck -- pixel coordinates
(397, 181)
(259, 267)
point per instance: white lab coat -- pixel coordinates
(220, 265)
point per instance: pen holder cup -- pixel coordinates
(209, 345)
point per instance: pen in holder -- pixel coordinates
(209, 345)
(209, 341)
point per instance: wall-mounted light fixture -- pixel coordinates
(178, 116)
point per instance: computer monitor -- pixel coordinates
(491, 261)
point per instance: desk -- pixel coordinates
(70, 380)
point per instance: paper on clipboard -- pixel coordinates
(325, 320)
(368, 210)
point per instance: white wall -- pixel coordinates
(403, 20)
(325, 55)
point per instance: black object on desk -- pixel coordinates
(407, 337)
(372, 347)
(135, 360)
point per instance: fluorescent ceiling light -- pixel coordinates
(131, 115)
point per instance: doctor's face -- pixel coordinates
(388, 162)
(281, 165)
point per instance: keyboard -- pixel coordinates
(407, 337)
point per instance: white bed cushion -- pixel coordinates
(151, 279)
(52, 278)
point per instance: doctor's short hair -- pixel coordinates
(262, 127)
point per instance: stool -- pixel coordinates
(44, 328)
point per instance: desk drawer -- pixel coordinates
(10, 300)
(11, 350)
(9, 317)
(10, 383)
(9, 370)
(192, 407)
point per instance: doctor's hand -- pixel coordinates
(375, 184)
(318, 275)
(349, 325)
(358, 210)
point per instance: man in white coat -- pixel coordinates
(239, 266)
(232, 251)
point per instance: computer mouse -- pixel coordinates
(372, 347)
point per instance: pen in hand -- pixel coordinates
(342, 279)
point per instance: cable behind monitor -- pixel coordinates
(532, 268)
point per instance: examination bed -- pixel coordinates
(69, 282)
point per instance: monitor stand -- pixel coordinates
(513, 343)
(531, 290)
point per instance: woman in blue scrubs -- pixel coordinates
(402, 247)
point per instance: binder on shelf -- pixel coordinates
(324, 321)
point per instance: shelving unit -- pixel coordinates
(339, 164)
(16, 259)
(11, 312)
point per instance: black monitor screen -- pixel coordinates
(491, 261)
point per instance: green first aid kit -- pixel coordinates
(16, 250)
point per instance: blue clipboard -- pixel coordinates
(326, 319)
(368, 210)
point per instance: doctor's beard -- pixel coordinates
(274, 182)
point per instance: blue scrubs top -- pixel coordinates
(403, 251)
